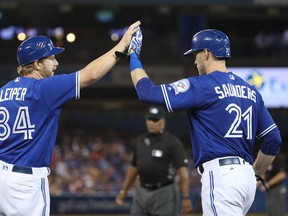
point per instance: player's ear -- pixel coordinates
(36, 64)
(206, 53)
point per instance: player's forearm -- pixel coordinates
(97, 69)
(137, 75)
(262, 162)
(137, 71)
(147, 91)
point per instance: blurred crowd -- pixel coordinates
(95, 164)
(271, 43)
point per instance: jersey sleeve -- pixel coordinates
(149, 92)
(268, 132)
(184, 94)
(176, 95)
(59, 89)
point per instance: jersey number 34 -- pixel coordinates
(22, 124)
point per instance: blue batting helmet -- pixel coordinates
(213, 40)
(36, 48)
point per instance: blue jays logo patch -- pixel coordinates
(180, 86)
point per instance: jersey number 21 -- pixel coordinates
(234, 130)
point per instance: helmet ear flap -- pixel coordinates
(36, 48)
(213, 40)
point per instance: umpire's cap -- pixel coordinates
(36, 48)
(213, 40)
(155, 112)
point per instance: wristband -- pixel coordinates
(134, 62)
(185, 197)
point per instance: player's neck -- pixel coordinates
(34, 75)
(217, 66)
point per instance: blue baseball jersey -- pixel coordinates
(29, 114)
(226, 114)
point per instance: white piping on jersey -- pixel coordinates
(266, 131)
(166, 98)
(77, 96)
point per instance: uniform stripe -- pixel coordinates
(77, 94)
(166, 98)
(44, 196)
(266, 131)
(211, 193)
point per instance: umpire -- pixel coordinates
(158, 156)
(275, 177)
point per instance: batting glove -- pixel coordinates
(136, 43)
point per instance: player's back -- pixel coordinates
(23, 139)
(29, 114)
(225, 120)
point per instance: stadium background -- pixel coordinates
(96, 133)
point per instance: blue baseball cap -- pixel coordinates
(36, 48)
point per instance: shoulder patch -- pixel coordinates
(180, 86)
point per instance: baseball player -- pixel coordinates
(226, 116)
(30, 106)
(158, 157)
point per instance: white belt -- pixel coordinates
(213, 164)
(38, 171)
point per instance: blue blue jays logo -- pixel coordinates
(40, 45)
(180, 86)
(256, 79)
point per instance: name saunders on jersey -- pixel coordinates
(229, 90)
(13, 94)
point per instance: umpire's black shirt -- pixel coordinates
(158, 157)
(277, 166)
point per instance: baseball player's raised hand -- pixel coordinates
(136, 43)
(127, 37)
(126, 40)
